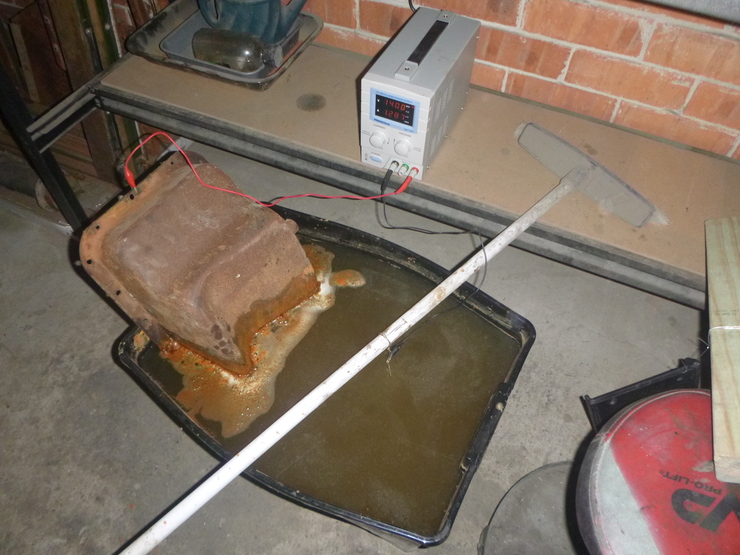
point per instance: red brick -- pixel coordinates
(654, 9)
(715, 103)
(522, 53)
(350, 40)
(488, 77)
(696, 52)
(336, 12)
(561, 96)
(584, 24)
(123, 21)
(382, 19)
(736, 153)
(495, 11)
(677, 128)
(661, 88)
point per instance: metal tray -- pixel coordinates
(178, 45)
(137, 353)
(147, 42)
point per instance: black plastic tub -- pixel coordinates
(395, 449)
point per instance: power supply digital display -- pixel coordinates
(394, 110)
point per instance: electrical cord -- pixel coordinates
(395, 347)
(411, 5)
(128, 174)
(386, 224)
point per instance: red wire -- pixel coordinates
(132, 181)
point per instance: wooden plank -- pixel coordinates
(723, 277)
(97, 13)
(70, 151)
(9, 57)
(52, 32)
(83, 65)
(46, 80)
(141, 10)
(480, 160)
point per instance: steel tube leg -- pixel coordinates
(17, 118)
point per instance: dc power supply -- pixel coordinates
(413, 93)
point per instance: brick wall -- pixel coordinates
(654, 69)
(123, 20)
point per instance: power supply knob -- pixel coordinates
(402, 148)
(378, 140)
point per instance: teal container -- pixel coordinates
(267, 19)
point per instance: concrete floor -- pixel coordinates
(89, 459)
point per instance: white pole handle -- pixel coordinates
(247, 456)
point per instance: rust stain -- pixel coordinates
(253, 320)
(236, 400)
(347, 278)
(140, 341)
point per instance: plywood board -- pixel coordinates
(723, 277)
(81, 67)
(46, 80)
(70, 150)
(480, 159)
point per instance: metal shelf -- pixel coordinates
(336, 169)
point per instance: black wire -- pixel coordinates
(388, 225)
(393, 349)
(411, 5)
(461, 302)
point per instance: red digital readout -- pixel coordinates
(394, 110)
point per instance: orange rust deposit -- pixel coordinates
(347, 278)
(140, 341)
(235, 400)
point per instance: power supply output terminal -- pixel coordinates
(404, 170)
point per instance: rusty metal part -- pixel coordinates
(195, 265)
(235, 401)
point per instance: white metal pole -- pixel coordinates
(247, 456)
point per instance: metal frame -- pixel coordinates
(602, 260)
(35, 137)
